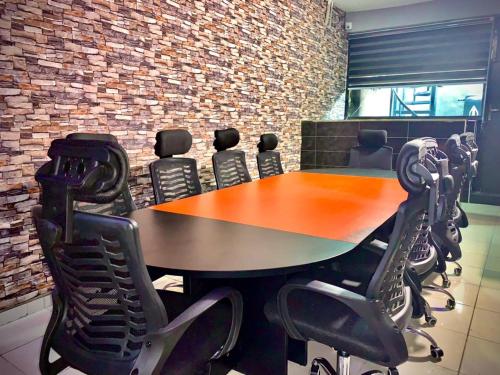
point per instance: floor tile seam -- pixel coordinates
(483, 339)
(20, 346)
(487, 310)
(12, 364)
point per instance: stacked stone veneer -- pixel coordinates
(132, 68)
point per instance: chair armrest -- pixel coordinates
(440, 266)
(353, 300)
(372, 311)
(159, 345)
(376, 246)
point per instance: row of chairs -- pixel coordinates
(461, 150)
(362, 303)
(177, 177)
(439, 243)
(108, 318)
(104, 302)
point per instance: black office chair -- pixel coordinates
(268, 161)
(468, 141)
(372, 151)
(107, 318)
(366, 313)
(230, 166)
(123, 203)
(426, 257)
(174, 178)
(446, 233)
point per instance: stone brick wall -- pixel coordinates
(134, 67)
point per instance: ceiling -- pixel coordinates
(360, 5)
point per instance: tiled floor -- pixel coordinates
(469, 335)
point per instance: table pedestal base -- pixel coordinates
(262, 348)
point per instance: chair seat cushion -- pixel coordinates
(325, 320)
(202, 340)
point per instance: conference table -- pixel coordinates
(256, 235)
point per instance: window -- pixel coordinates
(424, 71)
(417, 101)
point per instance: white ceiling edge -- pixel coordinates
(365, 5)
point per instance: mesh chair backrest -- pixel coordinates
(268, 160)
(121, 206)
(387, 283)
(361, 157)
(230, 168)
(174, 178)
(108, 301)
(421, 250)
(269, 164)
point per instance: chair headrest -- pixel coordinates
(468, 138)
(453, 148)
(421, 166)
(268, 142)
(172, 142)
(372, 138)
(92, 137)
(226, 138)
(95, 171)
(87, 170)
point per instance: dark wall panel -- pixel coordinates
(327, 144)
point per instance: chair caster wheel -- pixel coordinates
(393, 371)
(430, 320)
(446, 284)
(436, 352)
(457, 271)
(450, 304)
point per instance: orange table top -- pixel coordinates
(338, 207)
